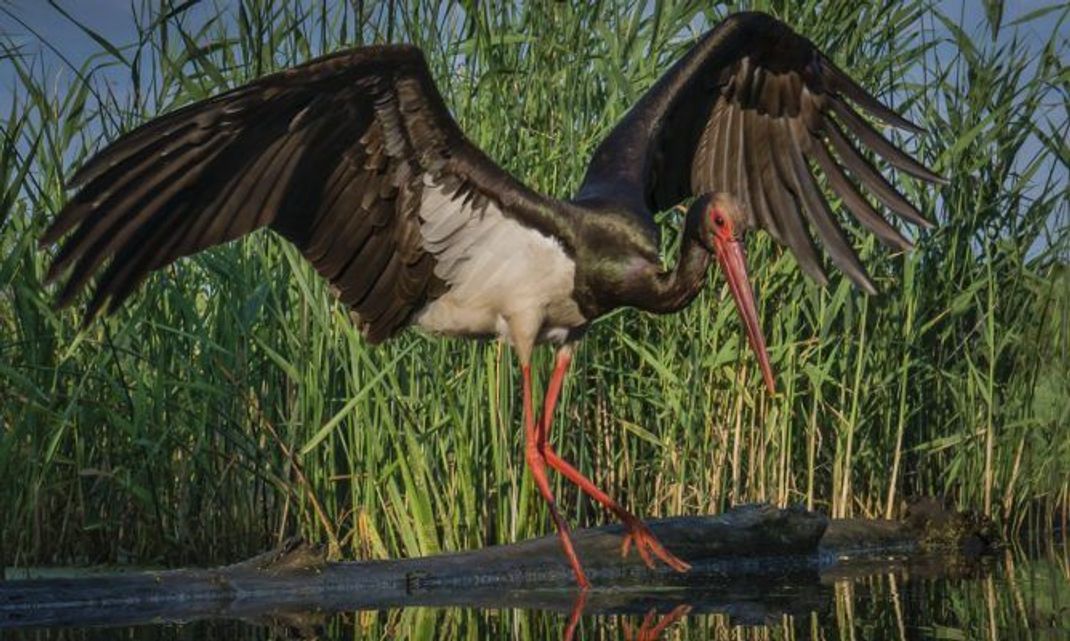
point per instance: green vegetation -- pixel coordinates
(230, 402)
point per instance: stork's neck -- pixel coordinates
(673, 289)
(621, 267)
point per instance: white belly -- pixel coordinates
(505, 280)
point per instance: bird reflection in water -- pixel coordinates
(650, 629)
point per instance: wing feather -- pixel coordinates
(90, 245)
(817, 210)
(856, 202)
(878, 143)
(872, 178)
(799, 239)
(843, 84)
(759, 169)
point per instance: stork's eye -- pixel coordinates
(719, 220)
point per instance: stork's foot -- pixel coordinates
(647, 545)
(638, 534)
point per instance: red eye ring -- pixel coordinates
(719, 220)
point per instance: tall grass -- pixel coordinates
(231, 403)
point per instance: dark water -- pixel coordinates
(1009, 596)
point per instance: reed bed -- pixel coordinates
(230, 403)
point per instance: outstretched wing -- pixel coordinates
(352, 157)
(751, 110)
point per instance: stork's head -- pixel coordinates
(723, 219)
(722, 223)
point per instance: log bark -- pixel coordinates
(735, 556)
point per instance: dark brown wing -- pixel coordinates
(336, 155)
(751, 110)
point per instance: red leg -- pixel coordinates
(537, 465)
(638, 533)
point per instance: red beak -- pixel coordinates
(734, 263)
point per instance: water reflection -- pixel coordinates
(649, 630)
(1008, 597)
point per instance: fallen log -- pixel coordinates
(734, 557)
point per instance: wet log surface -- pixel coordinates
(737, 559)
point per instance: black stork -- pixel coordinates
(354, 158)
